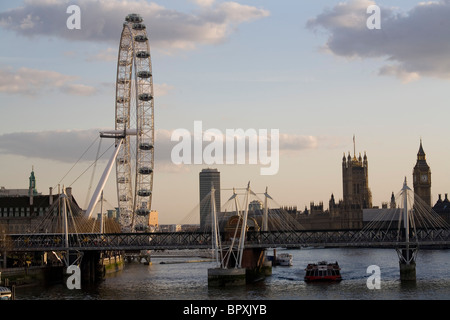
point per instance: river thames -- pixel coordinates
(180, 279)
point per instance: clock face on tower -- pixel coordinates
(424, 178)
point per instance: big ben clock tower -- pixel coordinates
(422, 177)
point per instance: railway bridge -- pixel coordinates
(387, 238)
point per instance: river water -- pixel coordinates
(179, 279)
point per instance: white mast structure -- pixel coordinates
(215, 228)
(243, 228)
(233, 239)
(67, 251)
(242, 217)
(120, 136)
(266, 212)
(406, 219)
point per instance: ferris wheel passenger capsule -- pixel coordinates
(144, 193)
(145, 146)
(133, 17)
(145, 97)
(144, 74)
(142, 54)
(145, 170)
(140, 38)
(142, 212)
(138, 26)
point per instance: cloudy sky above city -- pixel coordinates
(311, 69)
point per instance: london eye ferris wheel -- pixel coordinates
(134, 132)
(134, 116)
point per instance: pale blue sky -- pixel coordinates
(263, 67)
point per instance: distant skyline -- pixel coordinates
(311, 69)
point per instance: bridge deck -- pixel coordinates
(196, 240)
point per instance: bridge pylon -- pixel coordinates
(408, 251)
(236, 264)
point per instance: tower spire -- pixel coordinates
(421, 153)
(32, 185)
(422, 177)
(354, 146)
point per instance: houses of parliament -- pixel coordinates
(353, 210)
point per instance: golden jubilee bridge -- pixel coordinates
(382, 238)
(412, 223)
(407, 228)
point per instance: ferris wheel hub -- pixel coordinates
(118, 133)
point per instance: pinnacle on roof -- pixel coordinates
(421, 152)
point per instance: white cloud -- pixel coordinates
(161, 89)
(59, 145)
(101, 20)
(398, 72)
(348, 15)
(69, 145)
(415, 43)
(233, 13)
(109, 54)
(30, 82)
(292, 142)
(79, 89)
(204, 3)
(27, 23)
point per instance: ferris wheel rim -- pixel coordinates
(134, 68)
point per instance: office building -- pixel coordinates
(207, 179)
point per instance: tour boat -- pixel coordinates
(323, 271)
(284, 259)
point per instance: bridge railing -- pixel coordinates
(301, 238)
(96, 241)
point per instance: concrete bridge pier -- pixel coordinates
(257, 268)
(407, 271)
(407, 263)
(229, 277)
(92, 270)
(254, 268)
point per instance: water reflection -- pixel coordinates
(181, 281)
